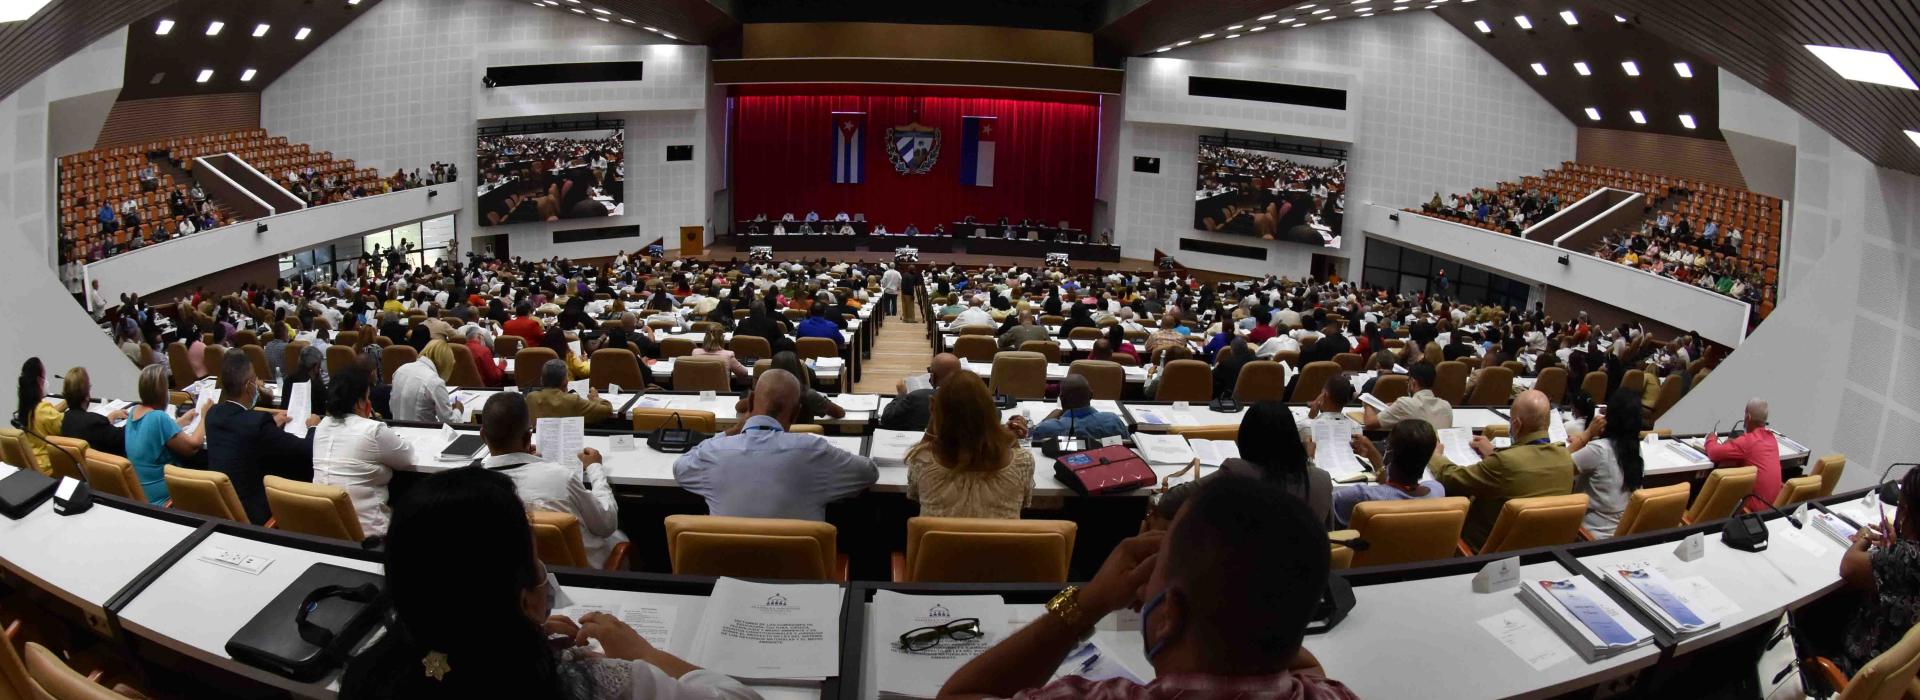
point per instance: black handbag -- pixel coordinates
(307, 630)
(23, 491)
(675, 440)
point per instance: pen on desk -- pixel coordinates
(1087, 665)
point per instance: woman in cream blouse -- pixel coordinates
(968, 465)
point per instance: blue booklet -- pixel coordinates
(1654, 588)
(1589, 613)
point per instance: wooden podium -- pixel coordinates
(693, 240)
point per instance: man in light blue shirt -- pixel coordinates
(1411, 445)
(1076, 413)
(759, 470)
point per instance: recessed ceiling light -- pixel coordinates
(603, 19)
(1482, 25)
(302, 34)
(1581, 68)
(1163, 49)
(1233, 36)
(353, 2)
(1915, 135)
(1366, 14)
(577, 10)
(261, 30)
(214, 27)
(1524, 23)
(1632, 69)
(16, 10)
(1864, 66)
(1686, 120)
(651, 29)
(1208, 35)
(628, 21)
(1618, 18)
(206, 74)
(1297, 26)
(1307, 6)
(1261, 28)
(669, 35)
(1540, 68)
(1568, 17)
(165, 25)
(1264, 18)
(1638, 116)
(1179, 43)
(1329, 18)
(601, 11)
(1400, 9)
(1236, 27)
(1593, 113)
(247, 75)
(1360, 2)
(157, 77)
(1685, 71)
(1320, 11)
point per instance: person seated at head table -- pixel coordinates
(968, 465)
(247, 445)
(1410, 447)
(1756, 447)
(1224, 597)
(911, 406)
(473, 610)
(507, 427)
(99, 432)
(787, 216)
(780, 229)
(553, 400)
(1076, 417)
(939, 230)
(813, 216)
(1419, 403)
(1531, 466)
(759, 470)
(911, 230)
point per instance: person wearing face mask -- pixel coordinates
(473, 614)
(1224, 595)
(247, 445)
(1531, 466)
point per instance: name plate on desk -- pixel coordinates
(707, 395)
(1181, 405)
(620, 443)
(1691, 548)
(1497, 576)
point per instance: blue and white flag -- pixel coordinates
(976, 150)
(849, 148)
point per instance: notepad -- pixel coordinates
(770, 631)
(1163, 449)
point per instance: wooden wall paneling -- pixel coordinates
(143, 121)
(1678, 156)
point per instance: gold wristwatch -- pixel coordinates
(1065, 606)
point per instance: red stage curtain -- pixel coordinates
(1045, 163)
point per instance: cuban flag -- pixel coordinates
(976, 150)
(849, 149)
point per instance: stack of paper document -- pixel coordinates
(1584, 617)
(1160, 415)
(826, 364)
(1163, 449)
(1459, 445)
(1212, 453)
(766, 631)
(1649, 589)
(1685, 451)
(903, 673)
(1556, 428)
(854, 403)
(1333, 447)
(561, 439)
(889, 447)
(1833, 526)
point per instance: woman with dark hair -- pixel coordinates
(353, 451)
(1270, 450)
(722, 313)
(1080, 317)
(1882, 564)
(418, 336)
(473, 608)
(32, 414)
(1606, 461)
(1117, 342)
(556, 340)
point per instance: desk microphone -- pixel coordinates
(1747, 531)
(1789, 516)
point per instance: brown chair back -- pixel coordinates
(393, 357)
(1108, 379)
(1046, 348)
(975, 348)
(557, 539)
(66, 455)
(1829, 468)
(1797, 489)
(206, 492)
(1595, 384)
(1541, 521)
(701, 373)
(466, 372)
(211, 359)
(340, 359)
(1313, 379)
(243, 338)
(289, 360)
(646, 419)
(508, 345)
(1552, 382)
(1350, 361)
(1185, 380)
(708, 545)
(987, 550)
(1669, 395)
(1413, 530)
(55, 680)
(1391, 387)
(1495, 388)
(750, 346)
(179, 365)
(1260, 380)
(675, 347)
(1450, 381)
(616, 366)
(527, 363)
(1724, 491)
(1650, 509)
(815, 347)
(257, 356)
(1634, 380)
(13, 448)
(1890, 675)
(111, 473)
(313, 509)
(1020, 375)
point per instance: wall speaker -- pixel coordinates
(1143, 164)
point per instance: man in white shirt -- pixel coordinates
(890, 286)
(973, 315)
(419, 394)
(549, 486)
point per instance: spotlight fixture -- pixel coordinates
(214, 27)
(1524, 23)
(1686, 120)
(165, 26)
(302, 34)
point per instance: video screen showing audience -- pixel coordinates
(551, 175)
(1266, 186)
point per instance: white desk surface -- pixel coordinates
(201, 604)
(1764, 584)
(91, 555)
(1193, 415)
(639, 467)
(1118, 634)
(1660, 458)
(1429, 628)
(1035, 411)
(1055, 371)
(1476, 418)
(686, 620)
(888, 450)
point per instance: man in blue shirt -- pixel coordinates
(1409, 447)
(1076, 413)
(759, 470)
(816, 325)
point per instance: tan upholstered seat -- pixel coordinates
(13, 448)
(616, 366)
(1261, 380)
(1595, 384)
(807, 429)
(1399, 532)
(65, 455)
(1085, 333)
(526, 365)
(1495, 388)
(1650, 509)
(1108, 379)
(1724, 490)
(1450, 381)
(709, 545)
(110, 473)
(1795, 490)
(1669, 395)
(1496, 430)
(243, 337)
(1391, 387)
(985, 550)
(340, 359)
(1020, 375)
(1313, 379)
(646, 419)
(1888, 676)
(558, 541)
(466, 371)
(701, 373)
(1829, 468)
(1339, 557)
(1185, 380)
(975, 329)
(393, 357)
(508, 345)
(211, 358)
(257, 356)
(816, 347)
(675, 347)
(975, 348)
(208, 493)
(58, 681)
(313, 509)
(1634, 380)
(749, 347)
(179, 365)
(289, 361)
(1046, 348)
(1552, 382)
(1350, 361)
(1525, 523)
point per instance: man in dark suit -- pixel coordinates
(247, 445)
(1226, 367)
(762, 324)
(912, 404)
(1331, 343)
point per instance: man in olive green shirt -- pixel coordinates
(1026, 330)
(554, 401)
(1531, 467)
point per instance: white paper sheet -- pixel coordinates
(1459, 445)
(1164, 449)
(653, 622)
(919, 674)
(1333, 448)
(1527, 638)
(560, 439)
(1212, 453)
(770, 631)
(581, 386)
(299, 406)
(1556, 428)
(1705, 598)
(889, 447)
(858, 402)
